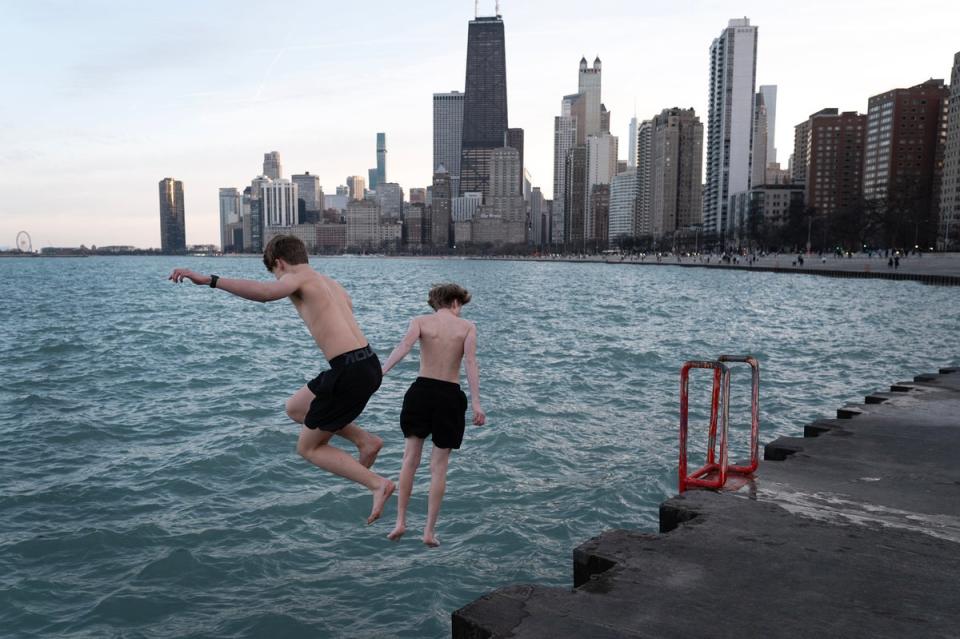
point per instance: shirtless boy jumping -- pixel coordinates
(328, 404)
(434, 404)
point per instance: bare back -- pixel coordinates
(327, 310)
(442, 336)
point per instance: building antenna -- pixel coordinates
(498, 8)
(476, 9)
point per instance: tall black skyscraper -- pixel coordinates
(484, 102)
(378, 175)
(172, 223)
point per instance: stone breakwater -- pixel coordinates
(852, 530)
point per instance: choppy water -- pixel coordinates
(149, 484)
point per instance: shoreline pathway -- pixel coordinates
(931, 268)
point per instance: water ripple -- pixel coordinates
(150, 486)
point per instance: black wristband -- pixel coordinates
(213, 281)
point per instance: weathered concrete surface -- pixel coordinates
(855, 533)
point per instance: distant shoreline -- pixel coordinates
(941, 269)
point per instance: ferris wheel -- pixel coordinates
(24, 243)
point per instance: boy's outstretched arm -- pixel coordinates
(413, 334)
(248, 289)
(473, 375)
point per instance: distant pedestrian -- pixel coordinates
(890, 262)
(896, 261)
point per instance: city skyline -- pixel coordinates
(124, 111)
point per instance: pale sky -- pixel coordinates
(103, 98)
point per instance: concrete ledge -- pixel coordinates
(854, 531)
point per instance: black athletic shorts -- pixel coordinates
(434, 407)
(343, 391)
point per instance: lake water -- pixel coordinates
(150, 486)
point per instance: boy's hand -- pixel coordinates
(180, 274)
(479, 417)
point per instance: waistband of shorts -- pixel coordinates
(352, 357)
(438, 384)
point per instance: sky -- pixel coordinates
(102, 99)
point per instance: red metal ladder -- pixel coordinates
(715, 472)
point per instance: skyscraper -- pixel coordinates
(357, 186)
(798, 161)
(418, 195)
(440, 210)
(378, 175)
(271, 165)
(583, 122)
(514, 140)
(258, 218)
(390, 198)
(769, 92)
(381, 159)
(564, 139)
(834, 160)
(575, 198)
(309, 197)
(539, 220)
(632, 150)
(758, 156)
(733, 70)
(448, 134)
(677, 153)
(599, 223)
(246, 217)
(279, 201)
(173, 237)
(643, 225)
(231, 217)
(506, 195)
(623, 206)
(588, 85)
(950, 185)
(484, 102)
(602, 150)
(902, 169)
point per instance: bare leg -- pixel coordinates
(313, 446)
(412, 451)
(439, 459)
(367, 444)
(299, 404)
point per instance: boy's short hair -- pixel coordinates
(289, 248)
(444, 295)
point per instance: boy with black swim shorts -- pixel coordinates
(434, 404)
(328, 404)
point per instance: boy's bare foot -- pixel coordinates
(397, 532)
(369, 450)
(431, 540)
(380, 497)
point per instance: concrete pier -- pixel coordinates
(852, 530)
